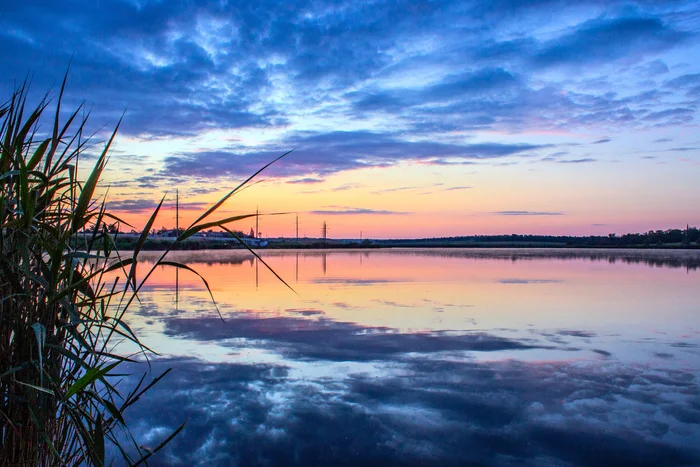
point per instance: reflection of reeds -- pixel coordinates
(61, 316)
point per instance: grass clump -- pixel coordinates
(61, 311)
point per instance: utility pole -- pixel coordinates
(297, 228)
(324, 231)
(257, 214)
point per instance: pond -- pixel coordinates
(425, 357)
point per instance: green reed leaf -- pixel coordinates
(90, 376)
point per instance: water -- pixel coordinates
(415, 357)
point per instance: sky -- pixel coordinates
(407, 119)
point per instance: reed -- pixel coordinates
(62, 302)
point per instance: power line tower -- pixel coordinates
(177, 212)
(324, 231)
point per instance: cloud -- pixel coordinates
(350, 282)
(326, 153)
(528, 213)
(576, 333)
(530, 281)
(455, 86)
(683, 149)
(304, 311)
(602, 140)
(421, 411)
(305, 181)
(677, 115)
(347, 186)
(142, 205)
(684, 81)
(148, 181)
(603, 40)
(391, 190)
(577, 161)
(324, 339)
(135, 205)
(654, 68)
(354, 211)
(182, 69)
(486, 81)
(201, 190)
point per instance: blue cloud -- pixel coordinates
(342, 211)
(654, 68)
(672, 116)
(305, 181)
(325, 153)
(684, 81)
(577, 161)
(607, 39)
(181, 68)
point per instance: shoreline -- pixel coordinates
(157, 243)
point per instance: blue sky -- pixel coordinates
(584, 109)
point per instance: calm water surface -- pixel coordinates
(419, 357)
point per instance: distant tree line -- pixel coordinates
(672, 237)
(690, 235)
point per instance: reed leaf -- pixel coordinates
(59, 271)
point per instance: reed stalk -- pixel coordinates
(62, 308)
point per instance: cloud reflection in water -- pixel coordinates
(336, 388)
(427, 411)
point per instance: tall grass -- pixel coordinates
(60, 315)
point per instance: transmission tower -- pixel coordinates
(257, 215)
(177, 212)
